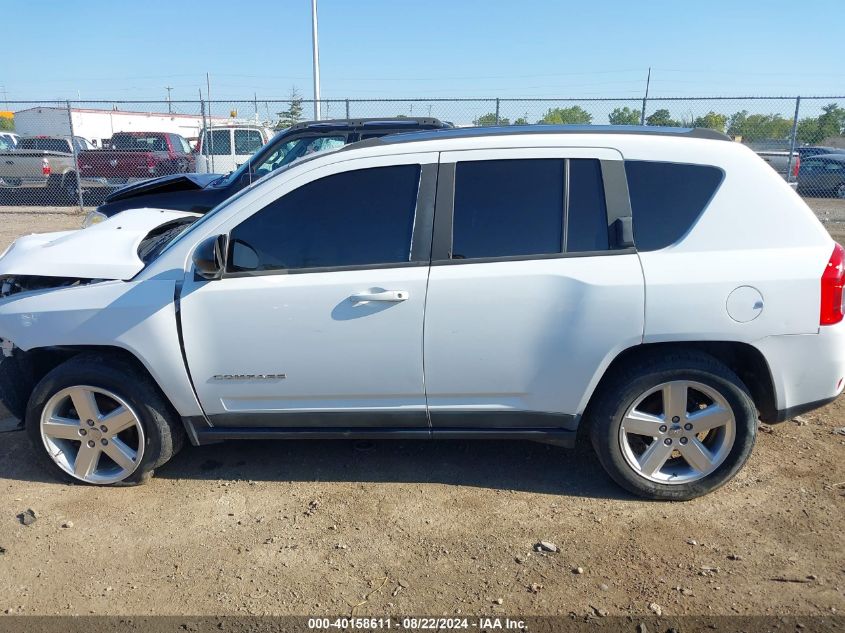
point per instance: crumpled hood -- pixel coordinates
(108, 250)
(163, 184)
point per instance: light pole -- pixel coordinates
(316, 54)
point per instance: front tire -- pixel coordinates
(673, 426)
(98, 419)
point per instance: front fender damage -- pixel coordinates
(20, 371)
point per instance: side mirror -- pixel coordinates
(210, 257)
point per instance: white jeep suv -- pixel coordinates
(658, 289)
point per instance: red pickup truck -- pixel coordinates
(134, 156)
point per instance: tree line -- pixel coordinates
(751, 127)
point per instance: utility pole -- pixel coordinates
(209, 135)
(645, 96)
(169, 106)
(316, 58)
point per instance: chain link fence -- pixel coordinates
(71, 154)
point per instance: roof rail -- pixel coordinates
(540, 128)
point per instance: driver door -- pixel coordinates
(318, 320)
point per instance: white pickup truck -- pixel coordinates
(43, 162)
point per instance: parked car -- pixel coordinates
(781, 163)
(133, 157)
(823, 175)
(466, 283)
(223, 148)
(43, 163)
(815, 150)
(199, 193)
(11, 138)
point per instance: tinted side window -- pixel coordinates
(350, 219)
(667, 199)
(508, 208)
(587, 225)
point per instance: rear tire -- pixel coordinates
(62, 190)
(99, 404)
(660, 450)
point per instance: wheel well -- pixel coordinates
(744, 360)
(36, 363)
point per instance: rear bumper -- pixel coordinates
(808, 370)
(23, 183)
(787, 414)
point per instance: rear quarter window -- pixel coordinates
(667, 199)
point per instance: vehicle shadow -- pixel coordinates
(494, 464)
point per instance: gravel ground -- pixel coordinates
(426, 527)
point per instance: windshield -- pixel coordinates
(275, 156)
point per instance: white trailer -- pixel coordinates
(98, 125)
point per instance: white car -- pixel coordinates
(10, 139)
(223, 148)
(658, 289)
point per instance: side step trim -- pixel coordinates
(210, 435)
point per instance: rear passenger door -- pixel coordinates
(533, 288)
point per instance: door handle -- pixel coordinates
(393, 296)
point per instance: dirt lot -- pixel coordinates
(426, 528)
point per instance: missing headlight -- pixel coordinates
(12, 285)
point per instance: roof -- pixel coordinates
(838, 157)
(516, 130)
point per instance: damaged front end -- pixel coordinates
(114, 250)
(20, 370)
(13, 284)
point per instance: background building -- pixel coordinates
(98, 125)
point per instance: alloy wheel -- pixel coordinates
(677, 432)
(92, 434)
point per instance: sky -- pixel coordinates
(129, 49)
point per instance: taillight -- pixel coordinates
(45, 167)
(833, 279)
(797, 166)
(151, 164)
